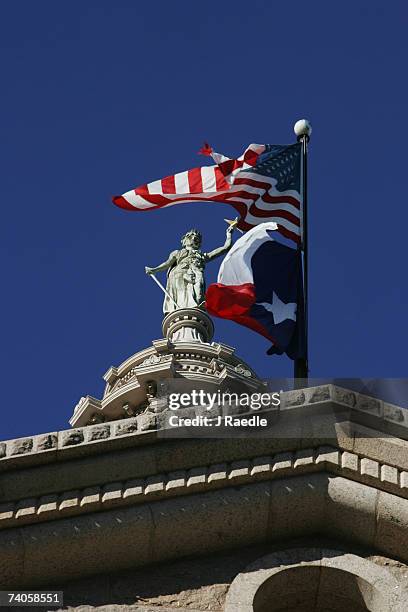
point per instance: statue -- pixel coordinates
(185, 271)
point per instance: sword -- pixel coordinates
(156, 280)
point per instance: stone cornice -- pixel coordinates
(382, 418)
(53, 551)
(204, 479)
(327, 465)
(163, 347)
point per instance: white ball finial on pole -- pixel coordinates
(302, 128)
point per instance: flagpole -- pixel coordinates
(303, 130)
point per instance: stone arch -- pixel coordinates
(314, 580)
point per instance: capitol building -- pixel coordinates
(128, 510)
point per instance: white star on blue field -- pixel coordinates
(280, 310)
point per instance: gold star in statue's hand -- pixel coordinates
(231, 225)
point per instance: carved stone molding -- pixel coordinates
(241, 369)
(200, 479)
(381, 414)
(188, 325)
(151, 360)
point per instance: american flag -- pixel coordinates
(262, 185)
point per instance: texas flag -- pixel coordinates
(260, 286)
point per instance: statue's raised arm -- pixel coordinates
(227, 244)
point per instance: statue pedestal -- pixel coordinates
(188, 325)
(186, 353)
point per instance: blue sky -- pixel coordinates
(100, 96)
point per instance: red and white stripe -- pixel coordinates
(229, 181)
